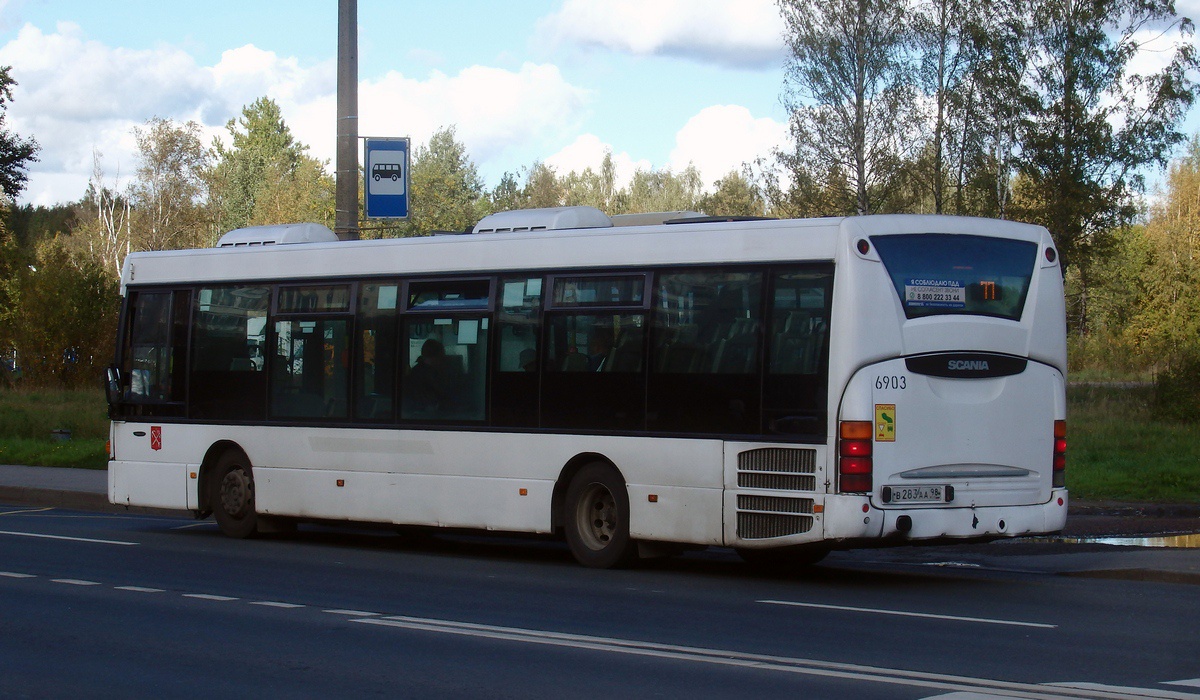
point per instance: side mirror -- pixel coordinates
(112, 387)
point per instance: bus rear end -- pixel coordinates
(951, 355)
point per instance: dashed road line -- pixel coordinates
(209, 596)
(68, 539)
(75, 582)
(353, 613)
(905, 613)
(139, 589)
(276, 604)
(13, 574)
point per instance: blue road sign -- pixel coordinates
(386, 174)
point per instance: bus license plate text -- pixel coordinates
(915, 494)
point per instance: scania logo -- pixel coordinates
(968, 365)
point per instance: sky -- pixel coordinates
(658, 83)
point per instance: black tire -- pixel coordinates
(783, 559)
(231, 495)
(596, 518)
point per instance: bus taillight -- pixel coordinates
(855, 463)
(1060, 453)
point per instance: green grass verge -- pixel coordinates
(83, 453)
(1116, 449)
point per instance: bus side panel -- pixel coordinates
(149, 484)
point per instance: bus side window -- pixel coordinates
(228, 336)
(796, 386)
(155, 353)
(445, 368)
(518, 352)
(376, 352)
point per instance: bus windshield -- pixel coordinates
(937, 274)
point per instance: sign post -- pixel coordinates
(385, 168)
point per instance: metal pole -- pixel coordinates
(346, 194)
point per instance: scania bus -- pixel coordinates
(781, 387)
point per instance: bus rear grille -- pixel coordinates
(777, 469)
(778, 459)
(775, 504)
(757, 526)
(761, 517)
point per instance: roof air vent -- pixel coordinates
(557, 218)
(279, 234)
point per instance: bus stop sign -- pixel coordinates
(386, 174)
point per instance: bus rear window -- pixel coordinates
(938, 274)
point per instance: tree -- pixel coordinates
(105, 230)
(447, 191)
(264, 166)
(15, 152)
(1090, 124)
(848, 91)
(733, 195)
(168, 192)
(661, 190)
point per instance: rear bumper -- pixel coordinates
(855, 518)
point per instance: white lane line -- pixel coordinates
(275, 604)
(905, 613)
(68, 539)
(191, 525)
(209, 596)
(13, 574)
(1191, 683)
(353, 613)
(726, 657)
(27, 510)
(75, 582)
(140, 589)
(1158, 694)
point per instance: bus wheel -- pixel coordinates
(783, 559)
(232, 496)
(597, 518)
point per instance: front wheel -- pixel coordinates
(597, 518)
(231, 496)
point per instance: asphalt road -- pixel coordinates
(112, 605)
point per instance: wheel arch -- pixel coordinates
(211, 457)
(569, 470)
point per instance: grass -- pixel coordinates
(1116, 450)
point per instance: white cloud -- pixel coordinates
(723, 137)
(741, 33)
(588, 151)
(77, 95)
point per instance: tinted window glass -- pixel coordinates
(334, 298)
(445, 371)
(375, 358)
(955, 274)
(228, 336)
(308, 377)
(456, 294)
(613, 290)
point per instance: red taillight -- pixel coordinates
(855, 463)
(1060, 453)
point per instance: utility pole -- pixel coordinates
(346, 194)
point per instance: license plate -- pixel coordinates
(914, 494)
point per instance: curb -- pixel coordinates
(74, 500)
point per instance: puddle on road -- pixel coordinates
(1176, 541)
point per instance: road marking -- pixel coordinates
(140, 589)
(68, 539)
(904, 613)
(209, 596)
(1137, 692)
(353, 613)
(1192, 683)
(27, 510)
(276, 604)
(13, 574)
(191, 525)
(75, 582)
(725, 657)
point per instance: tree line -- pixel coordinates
(1019, 109)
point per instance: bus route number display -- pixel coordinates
(946, 294)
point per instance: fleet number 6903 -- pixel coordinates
(891, 381)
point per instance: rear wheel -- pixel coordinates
(597, 518)
(231, 495)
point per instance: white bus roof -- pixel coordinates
(706, 243)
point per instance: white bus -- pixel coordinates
(782, 387)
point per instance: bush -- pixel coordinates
(1177, 392)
